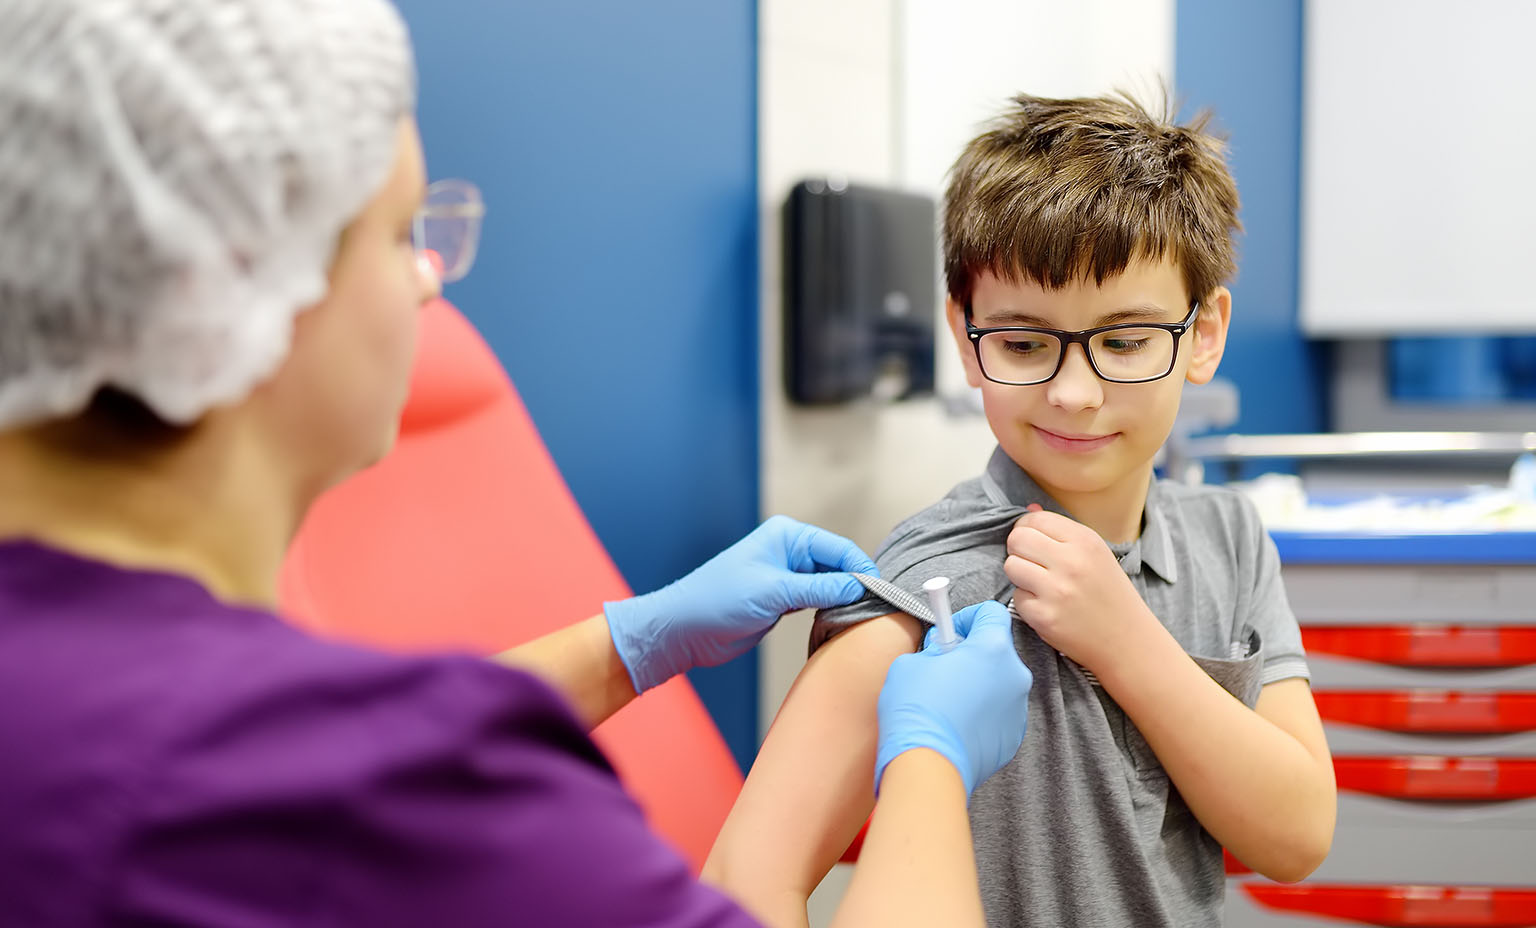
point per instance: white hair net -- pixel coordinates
(174, 177)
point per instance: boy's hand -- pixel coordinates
(1070, 589)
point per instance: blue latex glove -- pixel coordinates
(970, 703)
(724, 608)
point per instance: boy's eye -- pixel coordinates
(1024, 346)
(1127, 345)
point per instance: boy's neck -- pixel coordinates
(1114, 512)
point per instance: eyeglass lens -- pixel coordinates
(449, 224)
(1119, 355)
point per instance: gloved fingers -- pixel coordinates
(985, 614)
(822, 591)
(819, 549)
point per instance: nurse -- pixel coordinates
(208, 301)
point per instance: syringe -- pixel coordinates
(943, 620)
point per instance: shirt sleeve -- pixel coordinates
(1267, 609)
(441, 792)
(966, 544)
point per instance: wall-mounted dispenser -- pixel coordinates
(860, 292)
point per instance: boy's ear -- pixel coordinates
(955, 314)
(1209, 339)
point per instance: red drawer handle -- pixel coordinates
(1430, 710)
(1427, 645)
(1404, 906)
(1441, 778)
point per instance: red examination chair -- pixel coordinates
(466, 537)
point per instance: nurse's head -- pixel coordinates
(205, 224)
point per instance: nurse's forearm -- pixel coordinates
(917, 866)
(1261, 782)
(580, 662)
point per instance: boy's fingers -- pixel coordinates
(1029, 541)
(1053, 525)
(1029, 576)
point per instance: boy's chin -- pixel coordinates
(1059, 475)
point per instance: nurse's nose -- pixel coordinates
(429, 274)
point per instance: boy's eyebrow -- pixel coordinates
(1137, 312)
(1015, 317)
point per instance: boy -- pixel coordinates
(1085, 246)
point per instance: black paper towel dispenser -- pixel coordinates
(860, 292)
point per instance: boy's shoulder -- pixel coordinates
(1206, 498)
(966, 498)
(1213, 527)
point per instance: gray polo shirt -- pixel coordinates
(1082, 827)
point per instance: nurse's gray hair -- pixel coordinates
(174, 179)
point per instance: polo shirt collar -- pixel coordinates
(1006, 484)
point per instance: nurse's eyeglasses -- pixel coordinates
(448, 224)
(1132, 352)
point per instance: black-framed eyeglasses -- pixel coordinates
(1128, 352)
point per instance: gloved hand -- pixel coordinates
(724, 608)
(970, 703)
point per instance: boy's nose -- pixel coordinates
(1075, 386)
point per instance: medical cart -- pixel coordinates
(1423, 657)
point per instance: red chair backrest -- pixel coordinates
(466, 537)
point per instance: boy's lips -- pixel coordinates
(1073, 442)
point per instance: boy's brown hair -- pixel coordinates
(1062, 190)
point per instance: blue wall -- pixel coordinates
(616, 146)
(1244, 60)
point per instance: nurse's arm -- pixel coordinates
(580, 662)
(917, 866)
(812, 785)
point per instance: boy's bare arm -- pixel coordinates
(812, 786)
(1260, 781)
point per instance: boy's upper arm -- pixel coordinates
(817, 760)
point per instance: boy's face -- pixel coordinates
(1077, 434)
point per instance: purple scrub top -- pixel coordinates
(166, 759)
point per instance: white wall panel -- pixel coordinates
(1418, 193)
